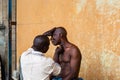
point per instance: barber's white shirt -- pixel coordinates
(35, 66)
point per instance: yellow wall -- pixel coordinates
(93, 25)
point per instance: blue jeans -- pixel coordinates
(59, 78)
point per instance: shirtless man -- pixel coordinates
(67, 54)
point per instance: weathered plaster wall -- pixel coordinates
(93, 25)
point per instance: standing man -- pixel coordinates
(67, 54)
(34, 64)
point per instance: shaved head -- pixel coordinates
(61, 30)
(59, 34)
(41, 42)
(41, 39)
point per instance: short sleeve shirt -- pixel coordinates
(35, 66)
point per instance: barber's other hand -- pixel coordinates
(50, 32)
(59, 50)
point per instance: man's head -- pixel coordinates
(41, 43)
(59, 34)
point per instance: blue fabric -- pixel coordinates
(80, 79)
(59, 78)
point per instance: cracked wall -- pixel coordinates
(93, 25)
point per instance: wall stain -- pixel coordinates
(93, 25)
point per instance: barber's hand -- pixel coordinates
(50, 32)
(59, 50)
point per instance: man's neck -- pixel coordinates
(65, 44)
(35, 49)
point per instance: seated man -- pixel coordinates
(34, 64)
(67, 54)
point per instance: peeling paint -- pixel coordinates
(80, 4)
(93, 25)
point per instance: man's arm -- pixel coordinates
(56, 57)
(49, 32)
(75, 63)
(56, 70)
(58, 51)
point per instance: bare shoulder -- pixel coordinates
(75, 51)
